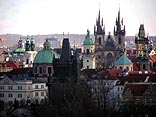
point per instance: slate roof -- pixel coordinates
(123, 60)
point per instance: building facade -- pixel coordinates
(21, 89)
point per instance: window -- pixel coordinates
(87, 60)
(118, 88)
(2, 87)
(121, 68)
(36, 86)
(36, 94)
(99, 40)
(49, 70)
(44, 69)
(87, 51)
(35, 69)
(127, 68)
(144, 66)
(28, 87)
(42, 93)
(19, 87)
(1, 94)
(119, 41)
(40, 70)
(27, 61)
(19, 95)
(87, 67)
(10, 95)
(10, 87)
(42, 86)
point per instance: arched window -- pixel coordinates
(40, 70)
(87, 51)
(121, 68)
(109, 60)
(119, 40)
(99, 40)
(127, 68)
(144, 66)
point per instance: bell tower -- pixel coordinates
(142, 48)
(99, 33)
(119, 33)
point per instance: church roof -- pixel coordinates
(19, 50)
(45, 56)
(88, 40)
(123, 60)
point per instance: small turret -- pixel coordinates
(27, 44)
(21, 43)
(32, 44)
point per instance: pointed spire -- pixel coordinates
(122, 21)
(114, 29)
(102, 22)
(119, 15)
(104, 29)
(99, 16)
(94, 29)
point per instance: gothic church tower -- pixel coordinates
(99, 33)
(119, 33)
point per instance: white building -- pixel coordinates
(25, 52)
(108, 91)
(21, 89)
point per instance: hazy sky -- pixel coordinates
(30, 17)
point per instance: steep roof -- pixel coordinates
(123, 60)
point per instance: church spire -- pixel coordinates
(120, 28)
(98, 29)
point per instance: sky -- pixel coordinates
(31, 17)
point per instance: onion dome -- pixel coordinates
(88, 40)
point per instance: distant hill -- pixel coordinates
(12, 39)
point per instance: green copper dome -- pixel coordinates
(46, 55)
(88, 40)
(19, 50)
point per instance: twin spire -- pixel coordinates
(119, 28)
(99, 28)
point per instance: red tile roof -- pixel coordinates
(153, 58)
(113, 72)
(137, 89)
(14, 65)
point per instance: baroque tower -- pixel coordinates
(88, 52)
(99, 33)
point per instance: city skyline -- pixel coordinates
(49, 16)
